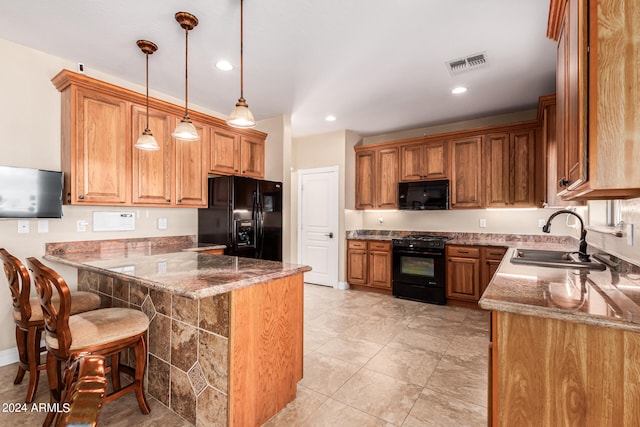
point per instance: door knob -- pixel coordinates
(329, 235)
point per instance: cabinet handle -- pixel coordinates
(168, 200)
(81, 197)
(463, 252)
(564, 182)
(179, 200)
(235, 170)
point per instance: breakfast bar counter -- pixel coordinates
(225, 335)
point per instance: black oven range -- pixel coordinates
(419, 268)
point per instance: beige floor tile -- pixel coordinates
(324, 374)
(465, 380)
(334, 414)
(436, 409)
(406, 363)
(420, 339)
(351, 350)
(379, 395)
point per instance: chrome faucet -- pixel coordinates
(582, 251)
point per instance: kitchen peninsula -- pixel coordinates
(225, 335)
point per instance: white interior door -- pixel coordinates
(318, 224)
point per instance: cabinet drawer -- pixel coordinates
(357, 244)
(494, 253)
(380, 246)
(463, 251)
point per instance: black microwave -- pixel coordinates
(423, 195)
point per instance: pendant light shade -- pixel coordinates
(241, 116)
(185, 130)
(146, 141)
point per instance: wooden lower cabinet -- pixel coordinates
(470, 269)
(549, 372)
(369, 263)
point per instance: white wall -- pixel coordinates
(30, 108)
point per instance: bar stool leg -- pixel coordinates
(141, 362)
(33, 354)
(115, 371)
(21, 341)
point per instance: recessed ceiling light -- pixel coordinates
(224, 65)
(330, 118)
(458, 90)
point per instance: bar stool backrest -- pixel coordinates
(20, 285)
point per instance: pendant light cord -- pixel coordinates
(241, 49)
(147, 78)
(186, 74)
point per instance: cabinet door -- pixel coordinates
(152, 180)
(380, 264)
(411, 163)
(357, 266)
(466, 191)
(491, 258)
(387, 178)
(190, 170)
(102, 171)
(463, 278)
(576, 93)
(435, 160)
(522, 169)
(365, 179)
(496, 169)
(224, 152)
(252, 157)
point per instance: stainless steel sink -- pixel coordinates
(554, 259)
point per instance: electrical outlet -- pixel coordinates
(162, 223)
(380, 220)
(630, 234)
(541, 223)
(23, 226)
(483, 223)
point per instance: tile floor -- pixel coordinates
(370, 360)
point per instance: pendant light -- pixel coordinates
(185, 130)
(146, 141)
(241, 116)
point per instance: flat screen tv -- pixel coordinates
(30, 193)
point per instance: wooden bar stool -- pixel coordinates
(27, 316)
(103, 332)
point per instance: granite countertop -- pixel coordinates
(168, 266)
(608, 298)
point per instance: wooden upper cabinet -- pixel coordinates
(101, 123)
(598, 53)
(152, 170)
(466, 191)
(233, 154)
(191, 169)
(387, 178)
(97, 163)
(509, 169)
(377, 178)
(428, 160)
(252, 157)
(223, 148)
(496, 170)
(365, 179)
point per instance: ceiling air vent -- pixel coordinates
(468, 63)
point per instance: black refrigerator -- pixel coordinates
(245, 214)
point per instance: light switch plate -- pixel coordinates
(483, 223)
(162, 223)
(630, 234)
